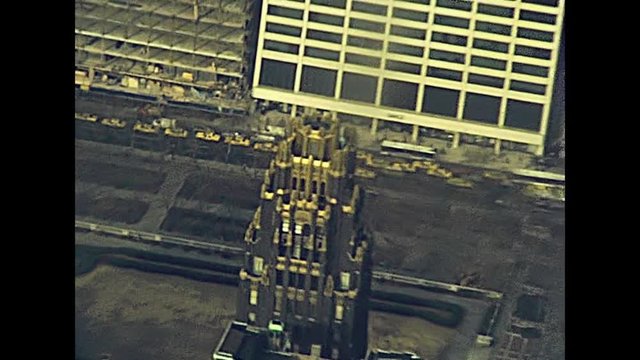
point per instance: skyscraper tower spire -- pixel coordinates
(306, 273)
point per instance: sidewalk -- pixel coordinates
(466, 154)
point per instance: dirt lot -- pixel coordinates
(128, 211)
(182, 198)
(422, 226)
(396, 332)
(136, 315)
(240, 192)
(206, 225)
(118, 176)
(437, 231)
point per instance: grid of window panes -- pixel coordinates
(501, 49)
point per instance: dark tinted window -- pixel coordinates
(321, 53)
(280, 46)
(369, 8)
(366, 25)
(495, 10)
(399, 94)
(405, 49)
(324, 36)
(362, 60)
(488, 63)
(490, 45)
(359, 87)
(527, 87)
(277, 74)
(326, 19)
(364, 42)
(318, 81)
(493, 28)
(333, 3)
(530, 69)
(537, 17)
(410, 15)
(446, 56)
(407, 32)
(285, 12)
(283, 29)
(523, 115)
(535, 34)
(482, 108)
(533, 52)
(451, 21)
(440, 101)
(455, 4)
(486, 80)
(403, 67)
(444, 73)
(449, 38)
(542, 2)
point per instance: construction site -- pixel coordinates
(193, 51)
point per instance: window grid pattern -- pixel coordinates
(492, 22)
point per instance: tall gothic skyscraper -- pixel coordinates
(306, 266)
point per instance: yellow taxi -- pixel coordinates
(145, 128)
(237, 139)
(114, 123)
(265, 146)
(365, 173)
(208, 135)
(176, 133)
(86, 117)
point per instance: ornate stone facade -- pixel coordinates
(307, 255)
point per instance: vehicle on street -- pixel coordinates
(208, 135)
(114, 123)
(145, 128)
(408, 151)
(176, 132)
(86, 117)
(237, 139)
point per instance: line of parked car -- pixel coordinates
(170, 128)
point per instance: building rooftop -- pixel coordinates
(238, 342)
(242, 342)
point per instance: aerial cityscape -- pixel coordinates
(319, 179)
